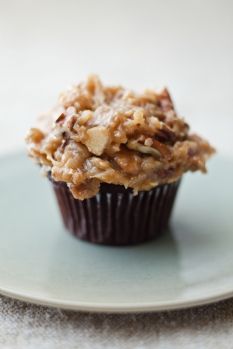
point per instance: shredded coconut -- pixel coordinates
(109, 134)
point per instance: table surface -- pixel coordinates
(29, 326)
(185, 45)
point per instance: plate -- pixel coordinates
(191, 264)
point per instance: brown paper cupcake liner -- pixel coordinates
(115, 216)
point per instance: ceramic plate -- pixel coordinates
(190, 265)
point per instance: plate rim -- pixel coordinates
(119, 308)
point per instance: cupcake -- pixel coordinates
(115, 159)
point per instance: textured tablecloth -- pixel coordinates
(29, 326)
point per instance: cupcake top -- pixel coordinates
(108, 134)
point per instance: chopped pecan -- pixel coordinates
(71, 122)
(60, 118)
(165, 134)
(163, 149)
(165, 101)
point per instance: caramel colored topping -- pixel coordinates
(107, 134)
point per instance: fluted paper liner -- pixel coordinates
(115, 216)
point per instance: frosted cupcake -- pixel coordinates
(115, 159)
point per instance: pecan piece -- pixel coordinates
(163, 149)
(165, 101)
(60, 118)
(165, 134)
(71, 122)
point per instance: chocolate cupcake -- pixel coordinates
(115, 159)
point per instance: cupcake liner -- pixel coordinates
(115, 216)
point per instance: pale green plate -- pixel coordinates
(191, 264)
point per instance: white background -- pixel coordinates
(186, 45)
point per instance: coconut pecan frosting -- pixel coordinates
(100, 134)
